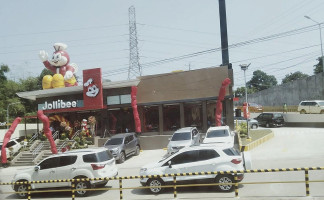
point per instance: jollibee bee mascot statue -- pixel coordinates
(84, 127)
(58, 64)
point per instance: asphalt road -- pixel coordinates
(290, 148)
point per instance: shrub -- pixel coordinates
(242, 129)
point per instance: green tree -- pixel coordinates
(261, 81)
(3, 69)
(29, 84)
(294, 76)
(319, 66)
(240, 92)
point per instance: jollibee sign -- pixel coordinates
(59, 104)
(92, 95)
(92, 88)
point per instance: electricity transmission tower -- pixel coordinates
(135, 68)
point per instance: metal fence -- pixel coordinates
(175, 185)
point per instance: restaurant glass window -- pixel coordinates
(121, 120)
(211, 109)
(151, 118)
(171, 117)
(193, 115)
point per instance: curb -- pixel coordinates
(256, 143)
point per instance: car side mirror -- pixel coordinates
(36, 168)
(169, 139)
(232, 133)
(170, 164)
(203, 137)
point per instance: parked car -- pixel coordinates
(123, 145)
(12, 147)
(183, 137)
(196, 159)
(253, 107)
(83, 163)
(7, 151)
(219, 136)
(311, 106)
(271, 119)
(253, 124)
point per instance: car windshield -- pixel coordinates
(115, 141)
(277, 115)
(97, 157)
(165, 157)
(217, 133)
(181, 136)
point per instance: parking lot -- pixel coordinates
(290, 148)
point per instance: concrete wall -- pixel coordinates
(20, 130)
(311, 88)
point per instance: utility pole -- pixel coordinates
(223, 29)
(229, 109)
(320, 32)
(135, 68)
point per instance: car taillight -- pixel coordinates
(236, 161)
(97, 166)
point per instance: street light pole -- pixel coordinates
(8, 112)
(320, 30)
(244, 67)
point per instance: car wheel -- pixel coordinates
(155, 185)
(254, 126)
(82, 185)
(21, 188)
(267, 125)
(122, 157)
(225, 179)
(303, 112)
(137, 150)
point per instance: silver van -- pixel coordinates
(311, 106)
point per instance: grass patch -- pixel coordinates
(255, 135)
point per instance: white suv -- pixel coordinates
(220, 136)
(12, 147)
(183, 137)
(196, 159)
(315, 106)
(77, 164)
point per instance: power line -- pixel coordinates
(179, 29)
(63, 30)
(240, 44)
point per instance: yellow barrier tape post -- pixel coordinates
(236, 185)
(29, 194)
(72, 188)
(307, 183)
(121, 189)
(175, 187)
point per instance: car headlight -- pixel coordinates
(115, 150)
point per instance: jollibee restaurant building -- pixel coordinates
(165, 103)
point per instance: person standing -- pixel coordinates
(285, 109)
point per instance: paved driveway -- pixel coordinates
(290, 148)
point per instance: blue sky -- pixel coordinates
(96, 33)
